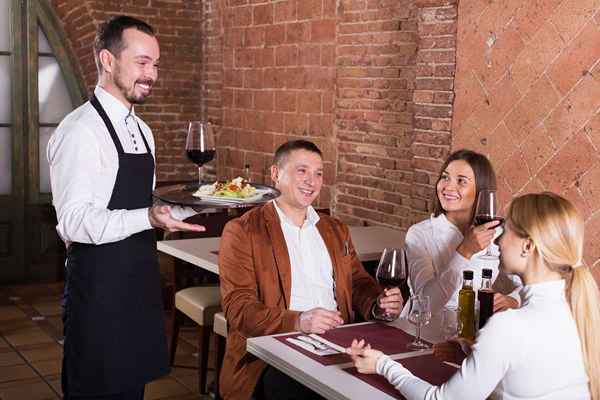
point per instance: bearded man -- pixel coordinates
(102, 174)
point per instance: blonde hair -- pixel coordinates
(556, 229)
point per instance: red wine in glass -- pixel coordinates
(391, 271)
(484, 219)
(486, 211)
(200, 145)
(200, 157)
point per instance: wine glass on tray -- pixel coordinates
(200, 145)
(391, 272)
(487, 211)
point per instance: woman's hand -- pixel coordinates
(477, 238)
(364, 357)
(454, 350)
(503, 302)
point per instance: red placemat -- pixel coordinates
(382, 337)
(426, 367)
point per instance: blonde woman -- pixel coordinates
(549, 348)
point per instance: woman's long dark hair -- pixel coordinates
(485, 177)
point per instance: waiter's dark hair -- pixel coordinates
(283, 151)
(109, 35)
(485, 177)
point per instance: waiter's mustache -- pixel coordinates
(149, 82)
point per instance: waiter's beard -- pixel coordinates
(129, 93)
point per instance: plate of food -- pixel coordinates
(236, 192)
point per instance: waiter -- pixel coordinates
(102, 173)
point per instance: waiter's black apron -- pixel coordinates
(114, 324)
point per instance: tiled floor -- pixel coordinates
(31, 350)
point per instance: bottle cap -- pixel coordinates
(468, 274)
(486, 273)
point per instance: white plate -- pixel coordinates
(256, 196)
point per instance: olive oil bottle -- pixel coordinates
(466, 307)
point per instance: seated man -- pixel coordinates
(284, 268)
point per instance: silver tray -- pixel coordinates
(181, 194)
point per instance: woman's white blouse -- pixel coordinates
(435, 267)
(530, 353)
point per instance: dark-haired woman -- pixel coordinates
(441, 247)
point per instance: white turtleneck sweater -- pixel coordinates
(533, 352)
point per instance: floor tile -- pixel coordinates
(28, 336)
(10, 358)
(55, 382)
(48, 367)
(27, 390)
(15, 373)
(164, 387)
(48, 309)
(8, 313)
(41, 352)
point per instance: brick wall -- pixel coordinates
(278, 83)
(528, 95)
(376, 58)
(176, 96)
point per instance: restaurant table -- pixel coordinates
(330, 381)
(369, 242)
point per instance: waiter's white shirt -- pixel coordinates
(312, 270)
(83, 169)
(530, 353)
(435, 267)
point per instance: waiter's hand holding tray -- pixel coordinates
(221, 194)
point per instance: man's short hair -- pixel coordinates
(109, 35)
(283, 151)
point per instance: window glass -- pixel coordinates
(54, 99)
(5, 90)
(5, 161)
(5, 25)
(45, 133)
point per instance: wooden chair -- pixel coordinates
(202, 300)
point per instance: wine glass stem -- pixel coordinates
(418, 333)
(200, 174)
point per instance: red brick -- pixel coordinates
(296, 124)
(275, 34)
(254, 37)
(253, 78)
(309, 54)
(286, 55)
(297, 32)
(263, 14)
(537, 149)
(285, 101)
(265, 57)
(274, 122)
(243, 99)
(515, 171)
(263, 100)
(591, 250)
(295, 78)
(575, 158)
(571, 15)
(242, 16)
(309, 102)
(576, 59)
(308, 9)
(285, 11)
(530, 111)
(590, 188)
(531, 15)
(323, 31)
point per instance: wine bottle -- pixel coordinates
(485, 295)
(466, 307)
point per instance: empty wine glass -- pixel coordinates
(391, 272)
(200, 145)
(449, 322)
(420, 315)
(486, 211)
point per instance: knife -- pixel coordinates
(303, 345)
